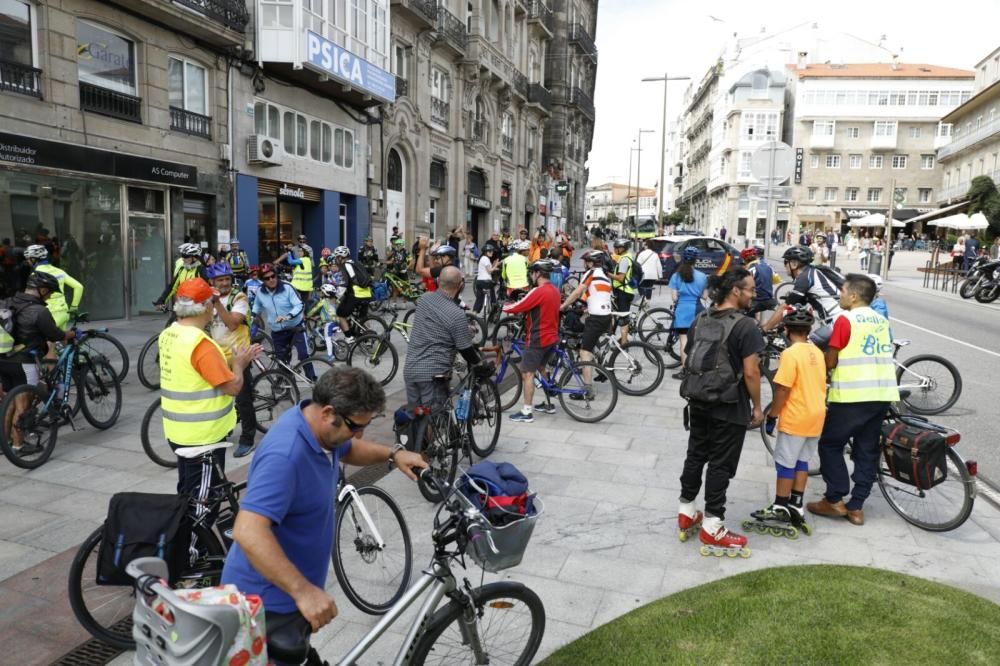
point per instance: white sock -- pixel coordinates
(711, 524)
(688, 509)
(526, 409)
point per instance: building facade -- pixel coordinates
(699, 113)
(615, 202)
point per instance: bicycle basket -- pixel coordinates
(498, 547)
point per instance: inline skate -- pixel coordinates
(688, 525)
(778, 521)
(722, 542)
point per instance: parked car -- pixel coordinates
(714, 255)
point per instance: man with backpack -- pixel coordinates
(815, 286)
(625, 278)
(721, 380)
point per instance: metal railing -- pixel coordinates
(230, 13)
(18, 78)
(402, 87)
(539, 94)
(953, 191)
(452, 29)
(541, 13)
(520, 83)
(582, 101)
(580, 37)
(963, 141)
(110, 103)
(440, 112)
(190, 122)
(426, 8)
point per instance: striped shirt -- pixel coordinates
(598, 294)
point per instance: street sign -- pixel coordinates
(773, 163)
(762, 192)
(562, 187)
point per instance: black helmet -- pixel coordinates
(760, 250)
(798, 316)
(444, 251)
(545, 266)
(40, 280)
(799, 253)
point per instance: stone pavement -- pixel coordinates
(606, 544)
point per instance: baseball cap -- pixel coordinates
(195, 289)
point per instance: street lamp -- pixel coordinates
(663, 140)
(638, 167)
(628, 190)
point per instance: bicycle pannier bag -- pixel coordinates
(143, 525)
(915, 456)
(709, 375)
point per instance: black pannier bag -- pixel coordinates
(143, 525)
(914, 455)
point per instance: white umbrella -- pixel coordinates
(875, 220)
(961, 221)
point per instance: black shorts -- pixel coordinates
(681, 331)
(593, 329)
(623, 302)
(12, 374)
(351, 304)
(533, 358)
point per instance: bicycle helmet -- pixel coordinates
(267, 268)
(325, 252)
(36, 252)
(40, 280)
(253, 268)
(521, 246)
(399, 241)
(219, 269)
(189, 250)
(877, 279)
(749, 254)
(341, 252)
(545, 266)
(328, 290)
(760, 251)
(444, 251)
(622, 242)
(799, 253)
(595, 256)
(690, 253)
(798, 316)
(234, 241)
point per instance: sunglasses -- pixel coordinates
(272, 276)
(355, 427)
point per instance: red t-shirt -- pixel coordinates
(541, 309)
(841, 333)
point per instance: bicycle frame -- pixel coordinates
(548, 383)
(349, 490)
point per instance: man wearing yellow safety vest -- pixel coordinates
(60, 307)
(862, 387)
(621, 282)
(197, 385)
(514, 268)
(358, 289)
(300, 259)
(190, 267)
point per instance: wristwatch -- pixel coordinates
(392, 454)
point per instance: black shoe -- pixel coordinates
(678, 375)
(243, 449)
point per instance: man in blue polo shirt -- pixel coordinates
(283, 534)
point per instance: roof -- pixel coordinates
(880, 70)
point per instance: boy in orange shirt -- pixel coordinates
(800, 408)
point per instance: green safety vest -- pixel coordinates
(183, 274)
(302, 275)
(56, 302)
(515, 271)
(624, 285)
(865, 370)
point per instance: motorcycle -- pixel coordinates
(974, 277)
(989, 289)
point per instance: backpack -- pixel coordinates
(637, 276)
(380, 290)
(143, 525)
(362, 278)
(708, 373)
(6, 327)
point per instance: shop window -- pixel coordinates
(278, 224)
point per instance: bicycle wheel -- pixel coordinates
(372, 576)
(36, 427)
(154, 442)
(934, 383)
(571, 283)
(376, 356)
(148, 366)
(637, 367)
(408, 315)
(588, 406)
(318, 365)
(477, 328)
(274, 391)
(105, 611)
(108, 346)
(507, 330)
(484, 418)
(375, 324)
(441, 454)
(781, 291)
(507, 617)
(509, 386)
(100, 393)
(654, 326)
(939, 509)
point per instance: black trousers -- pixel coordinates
(717, 444)
(244, 408)
(482, 288)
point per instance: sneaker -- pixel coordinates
(546, 407)
(244, 448)
(521, 417)
(678, 375)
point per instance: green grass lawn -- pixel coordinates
(828, 615)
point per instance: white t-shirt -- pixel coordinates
(651, 266)
(598, 291)
(226, 338)
(484, 269)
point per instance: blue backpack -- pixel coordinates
(380, 290)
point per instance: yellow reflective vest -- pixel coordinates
(625, 285)
(865, 370)
(183, 274)
(359, 291)
(514, 271)
(302, 275)
(56, 303)
(194, 412)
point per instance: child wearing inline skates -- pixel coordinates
(800, 409)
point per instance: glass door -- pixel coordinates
(147, 249)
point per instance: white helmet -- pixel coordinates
(521, 245)
(341, 252)
(877, 279)
(189, 250)
(328, 290)
(36, 252)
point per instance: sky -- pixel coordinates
(637, 39)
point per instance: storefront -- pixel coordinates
(104, 216)
(898, 215)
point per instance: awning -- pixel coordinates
(939, 212)
(899, 215)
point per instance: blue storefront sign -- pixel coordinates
(339, 63)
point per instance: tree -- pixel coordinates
(676, 218)
(612, 218)
(985, 198)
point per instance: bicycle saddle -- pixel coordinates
(443, 377)
(900, 342)
(287, 636)
(198, 451)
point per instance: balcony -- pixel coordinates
(22, 79)
(540, 16)
(582, 101)
(953, 192)
(226, 26)
(423, 11)
(540, 97)
(821, 141)
(189, 122)
(883, 142)
(521, 7)
(402, 87)
(519, 82)
(452, 32)
(968, 139)
(439, 112)
(110, 103)
(582, 39)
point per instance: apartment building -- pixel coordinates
(974, 128)
(618, 201)
(859, 128)
(699, 112)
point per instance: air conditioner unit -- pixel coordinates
(264, 150)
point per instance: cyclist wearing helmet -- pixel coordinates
(238, 260)
(252, 284)
(763, 280)
(687, 285)
(595, 290)
(514, 268)
(815, 286)
(356, 296)
(325, 312)
(440, 256)
(38, 258)
(231, 330)
(621, 281)
(281, 308)
(300, 259)
(368, 255)
(187, 267)
(541, 333)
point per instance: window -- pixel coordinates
(813, 191)
(746, 157)
(17, 46)
(401, 61)
(833, 161)
(314, 140)
(926, 161)
(824, 127)
(276, 14)
(301, 136)
(944, 129)
(288, 129)
(359, 20)
(876, 162)
(874, 194)
(507, 133)
(851, 194)
(440, 83)
(394, 171)
(924, 195)
(814, 161)
(914, 132)
(855, 161)
(301, 143)
(759, 126)
(853, 132)
(439, 173)
(188, 84)
(327, 143)
(105, 59)
(343, 148)
(899, 161)
(830, 194)
(885, 128)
